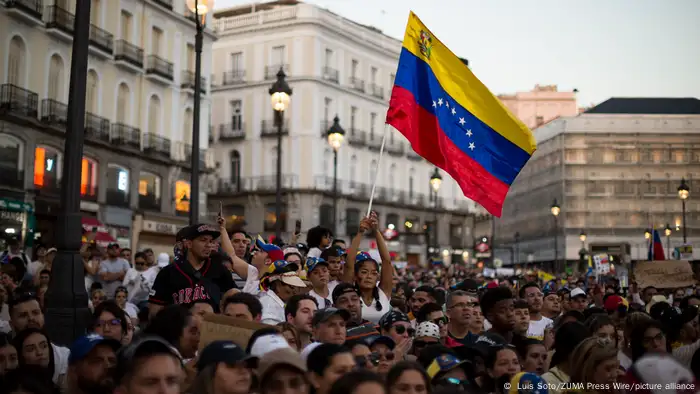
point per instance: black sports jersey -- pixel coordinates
(179, 283)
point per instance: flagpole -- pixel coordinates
(376, 173)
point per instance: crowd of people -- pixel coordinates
(336, 320)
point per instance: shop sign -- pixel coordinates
(15, 206)
(159, 227)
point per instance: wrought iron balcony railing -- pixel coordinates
(18, 101)
(159, 66)
(128, 52)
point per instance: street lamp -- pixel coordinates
(336, 136)
(67, 312)
(200, 9)
(435, 183)
(667, 233)
(280, 93)
(683, 194)
(582, 252)
(556, 210)
(647, 234)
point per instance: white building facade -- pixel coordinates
(139, 116)
(335, 67)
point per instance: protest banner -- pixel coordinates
(664, 274)
(220, 327)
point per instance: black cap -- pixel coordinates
(113, 245)
(224, 352)
(381, 340)
(197, 230)
(487, 342)
(145, 346)
(392, 317)
(322, 315)
(343, 288)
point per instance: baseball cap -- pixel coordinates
(381, 340)
(85, 344)
(198, 230)
(282, 266)
(292, 250)
(655, 300)
(428, 329)
(224, 352)
(288, 278)
(343, 288)
(308, 349)
(444, 363)
(613, 302)
(281, 357)
(322, 315)
(51, 250)
(577, 292)
(147, 345)
(163, 260)
(268, 343)
(313, 262)
(273, 251)
(485, 343)
(392, 317)
(113, 245)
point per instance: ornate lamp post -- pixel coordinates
(199, 8)
(582, 252)
(667, 233)
(556, 210)
(435, 183)
(280, 93)
(683, 194)
(336, 136)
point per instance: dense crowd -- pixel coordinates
(335, 320)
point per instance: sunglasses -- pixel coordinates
(372, 358)
(441, 321)
(388, 356)
(402, 329)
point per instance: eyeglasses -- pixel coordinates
(441, 321)
(388, 356)
(463, 305)
(105, 323)
(656, 338)
(372, 358)
(402, 329)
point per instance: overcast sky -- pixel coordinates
(642, 48)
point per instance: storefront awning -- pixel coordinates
(102, 237)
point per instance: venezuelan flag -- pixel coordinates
(453, 121)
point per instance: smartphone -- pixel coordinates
(297, 227)
(221, 209)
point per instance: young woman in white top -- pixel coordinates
(364, 271)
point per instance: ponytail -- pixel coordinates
(375, 294)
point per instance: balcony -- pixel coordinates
(234, 77)
(96, 127)
(125, 135)
(117, 198)
(128, 56)
(159, 69)
(269, 128)
(54, 113)
(59, 23)
(232, 131)
(17, 101)
(356, 137)
(30, 11)
(271, 71)
(357, 84)
(376, 91)
(101, 41)
(149, 202)
(11, 177)
(330, 74)
(395, 148)
(167, 4)
(325, 126)
(188, 82)
(89, 194)
(374, 142)
(156, 144)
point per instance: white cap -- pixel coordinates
(308, 349)
(163, 260)
(267, 343)
(577, 292)
(428, 329)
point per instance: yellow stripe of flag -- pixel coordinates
(465, 88)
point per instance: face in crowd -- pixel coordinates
(331, 331)
(304, 315)
(551, 305)
(534, 298)
(418, 299)
(200, 247)
(350, 301)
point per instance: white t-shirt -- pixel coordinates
(131, 310)
(537, 327)
(34, 267)
(322, 303)
(370, 312)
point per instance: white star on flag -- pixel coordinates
(469, 132)
(434, 104)
(453, 111)
(440, 102)
(447, 103)
(461, 121)
(471, 146)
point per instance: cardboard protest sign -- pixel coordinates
(220, 327)
(664, 274)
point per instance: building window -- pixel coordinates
(56, 78)
(372, 121)
(352, 220)
(326, 111)
(235, 215)
(329, 58)
(456, 238)
(353, 169)
(277, 58)
(392, 177)
(123, 103)
(46, 167)
(16, 62)
(10, 154)
(154, 115)
(372, 171)
(271, 217)
(187, 127)
(117, 178)
(353, 118)
(326, 216)
(236, 114)
(91, 92)
(182, 196)
(235, 168)
(373, 75)
(354, 69)
(149, 184)
(327, 167)
(392, 221)
(125, 22)
(411, 174)
(237, 62)
(156, 40)
(190, 57)
(95, 11)
(88, 177)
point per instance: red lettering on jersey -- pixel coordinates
(188, 295)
